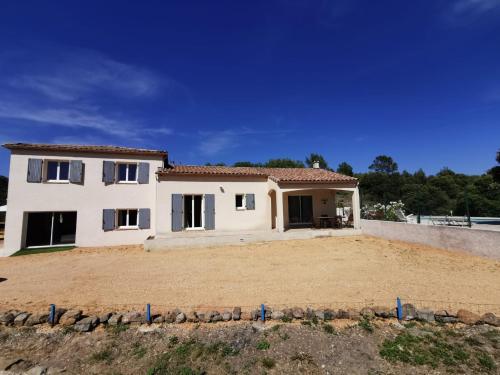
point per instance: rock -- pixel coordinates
(237, 313)
(86, 324)
(203, 316)
(367, 313)
(353, 314)
(132, 317)
(157, 318)
(103, 318)
(7, 362)
(268, 312)
(491, 319)
(309, 314)
(215, 316)
(342, 314)
(444, 316)
(277, 315)
(255, 314)
(227, 315)
(319, 314)
(192, 317)
(21, 319)
(70, 317)
(298, 313)
(397, 325)
(37, 370)
(330, 314)
(425, 315)
(409, 311)
(7, 318)
(170, 316)
(467, 317)
(384, 312)
(246, 315)
(115, 319)
(288, 313)
(180, 318)
(36, 319)
(58, 313)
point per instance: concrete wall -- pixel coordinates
(87, 199)
(227, 217)
(474, 241)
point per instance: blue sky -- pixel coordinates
(233, 80)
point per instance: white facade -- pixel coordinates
(239, 203)
(88, 199)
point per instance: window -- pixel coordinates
(57, 171)
(193, 208)
(240, 201)
(127, 218)
(127, 172)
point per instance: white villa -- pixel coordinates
(79, 195)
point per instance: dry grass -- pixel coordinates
(342, 271)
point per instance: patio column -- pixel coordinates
(356, 209)
(280, 222)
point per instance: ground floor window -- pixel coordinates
(127, 218)
(300, 209)
(240, 201)
(50, 228)
(193, 211)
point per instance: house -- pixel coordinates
(106, 195)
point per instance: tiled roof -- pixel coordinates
(84, 149)
(275, 174)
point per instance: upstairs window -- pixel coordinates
(240, 201)
(57, 171)
(127, 172)
(127, 218)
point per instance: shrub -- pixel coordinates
(268, 362)
(263, 345)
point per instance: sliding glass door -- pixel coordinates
(50, 228)
(300, 210)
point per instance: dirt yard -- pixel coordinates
(336, 271)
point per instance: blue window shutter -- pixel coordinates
(209, 211)
(144, 218)
(250, 201)
(143, 177)
(108, 172)
(108, 219)
(34, 170)
(177, 206)
(76, 171)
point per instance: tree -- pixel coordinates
(345, 168)
(246, 164)
(498, 156)
(284, 163)
(316, 157)
(384, 164)
(220, 164)
(495, 173)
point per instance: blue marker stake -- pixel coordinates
(262, 313)
(148, 313)
(52, 315)
(400, 309)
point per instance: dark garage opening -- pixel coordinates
(50, 228)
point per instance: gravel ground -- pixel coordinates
(335, 271)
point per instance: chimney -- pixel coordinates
(316, 164)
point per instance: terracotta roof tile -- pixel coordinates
(275, 174)
(84, 149)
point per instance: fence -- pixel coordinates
(474, 241)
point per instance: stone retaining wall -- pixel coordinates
(78, 321)
(481, 242)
